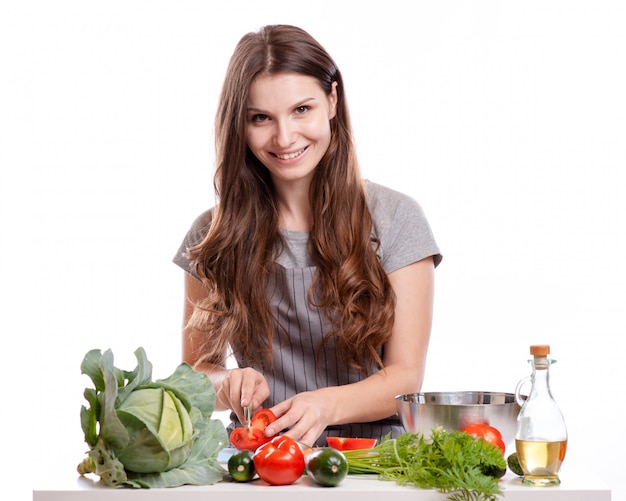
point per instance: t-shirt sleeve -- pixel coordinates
(194, 236)
(401, 226)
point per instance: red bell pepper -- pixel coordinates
(350, 444)
(280, 461)
(252, 438)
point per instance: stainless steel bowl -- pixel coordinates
(421, 412)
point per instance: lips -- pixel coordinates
(290, 156)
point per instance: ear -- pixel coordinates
(332, 101)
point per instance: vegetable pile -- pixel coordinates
(145, 433)
(454, 463)
(278, 459)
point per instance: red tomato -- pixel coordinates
(250, 439)
(350, 444)
(280, 461)
(488, 433)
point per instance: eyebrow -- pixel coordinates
(298, 104)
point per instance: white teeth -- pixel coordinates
(289, 156)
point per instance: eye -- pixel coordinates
(259, 117)
(300, 110)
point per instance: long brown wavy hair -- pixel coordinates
(238, 254)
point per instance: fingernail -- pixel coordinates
(269, 431)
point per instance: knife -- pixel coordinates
(247, 414)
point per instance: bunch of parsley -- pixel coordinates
(453, 463)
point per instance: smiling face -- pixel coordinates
(288, 124)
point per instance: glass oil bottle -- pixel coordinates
(541, 434)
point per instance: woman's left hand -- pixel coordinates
(304, 416)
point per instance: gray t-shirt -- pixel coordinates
(405, 237)
(399, 224)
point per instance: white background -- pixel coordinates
(506, 120)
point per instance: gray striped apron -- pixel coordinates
(295, 351)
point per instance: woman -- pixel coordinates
(321, 283)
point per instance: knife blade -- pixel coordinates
(247, 414)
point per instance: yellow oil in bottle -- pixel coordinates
(540, 461)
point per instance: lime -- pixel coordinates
(514, 466)
(241, 466)
(327, 466)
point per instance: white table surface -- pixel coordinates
(576, 485)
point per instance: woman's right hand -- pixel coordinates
(235, 388)
(240, 388)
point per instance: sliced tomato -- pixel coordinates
(262, 418)
(350, 444)
(248, 440)
(251, 439)
(488, 433)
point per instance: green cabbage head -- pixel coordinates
(159, 428)
(145, 433)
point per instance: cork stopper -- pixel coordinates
(540, 350)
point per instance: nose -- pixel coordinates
(284, 133)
